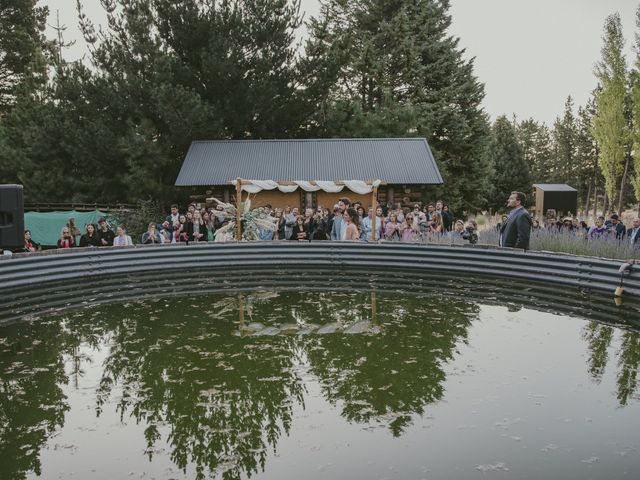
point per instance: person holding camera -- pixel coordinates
(470, 232)
(66, 240)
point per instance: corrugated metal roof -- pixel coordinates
(392, 160)
(554, 187)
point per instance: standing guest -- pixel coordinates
(298, 231)
(360, 211)
(392, 228)
(122, 239)
(309, 220)
(151, 236)
(367, 226)
(29, 244)
(180, 232)
(66, 240)
(536, 224)
(105, 234)
(290, 220)
(196, 231)
(566, 226)
(209, 226)
(90, 238)
(447, 218)
(218, 220)
(617, 227)
(633, 234)
(437, 227)
(516, 230)
(279, 233)
(75, 231)
(339, 224)
(444, 217)
(409, 229)
(319, 231)
(351, 225)
(598, 230)
(430, 211)
(173, 217)
(582, 228)
(458, 229)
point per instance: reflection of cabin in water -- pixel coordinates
(404, 166)
(558, 197)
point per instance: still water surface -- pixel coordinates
(284, 385)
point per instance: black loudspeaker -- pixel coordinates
(11, 217)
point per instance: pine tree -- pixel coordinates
(564, 146)
(588, 175)
(535, 140)
(23, 49)
(510, 167)
(610, 127)
(394, 70)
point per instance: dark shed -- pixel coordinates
(555, 196)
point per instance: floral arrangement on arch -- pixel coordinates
(251, 221)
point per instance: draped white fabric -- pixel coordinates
(356, 186)
(306, 186)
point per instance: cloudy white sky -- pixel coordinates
(530, 54)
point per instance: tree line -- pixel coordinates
(161, 73)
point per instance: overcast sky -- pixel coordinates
(530, 54)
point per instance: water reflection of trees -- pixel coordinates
(391, 376)
(182, 368)
(32, 402)
(599, 338)
(225, 399)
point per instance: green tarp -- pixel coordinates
(46, 226)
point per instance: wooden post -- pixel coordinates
(241, 328)
(238, 206)
(374, 207)
(374, 308)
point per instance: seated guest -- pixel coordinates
(66, 240)
(151, 236)
(29, 244)
(165, 231)
(105, 234)
(90, 238)
(122, 239)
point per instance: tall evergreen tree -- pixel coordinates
(564, 146)
(535, 140)
(610, 127)
(588, 175)
(396, 71)
(510, 167)
(22, 48)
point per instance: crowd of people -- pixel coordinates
(346, 221)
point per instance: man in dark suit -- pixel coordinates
(516, 229)
(633, 234)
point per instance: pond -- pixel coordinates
(341, 383)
